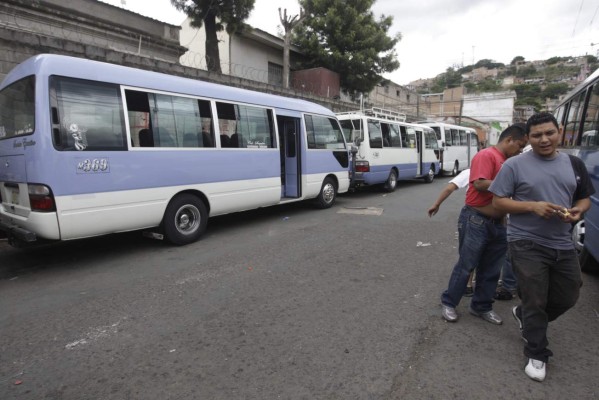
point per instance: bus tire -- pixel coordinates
(456, 169)
(185, 219)
(430, 177)
(391, 183)
(587, 262)
(328, 194)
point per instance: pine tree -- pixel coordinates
(345, 37)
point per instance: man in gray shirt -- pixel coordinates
(544, 195)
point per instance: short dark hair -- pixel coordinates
(516, 131)
(541, 118)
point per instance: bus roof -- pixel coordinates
(51, 64)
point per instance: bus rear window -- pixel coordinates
(17, 108)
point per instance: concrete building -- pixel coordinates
(84, 28)
(496, 109)
(252, 54)
(391, 96)
(439, 106)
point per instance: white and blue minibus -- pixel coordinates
(578, 115)
(388, 148)
(90, 148)
(459, 145)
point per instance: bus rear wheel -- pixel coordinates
(328, 194)
(456, 168)
(391, 183)
(185, 219)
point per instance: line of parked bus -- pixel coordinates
(90, 148)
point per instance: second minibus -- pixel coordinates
(459, 145)
(389, 149)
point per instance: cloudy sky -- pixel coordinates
(437, 34)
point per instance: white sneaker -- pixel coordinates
(535, 370)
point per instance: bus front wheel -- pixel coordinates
(328, 194)
(431, 175)
(185, 219)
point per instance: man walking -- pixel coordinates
(482, 232)
(544, 191)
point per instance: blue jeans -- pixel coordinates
(549, 283)
(508, 279)
(482, 245)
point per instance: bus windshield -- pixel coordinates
(17, 108)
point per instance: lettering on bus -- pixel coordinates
(94, 165)
(23, 143)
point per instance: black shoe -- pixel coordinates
(503, 294)
(469, 292)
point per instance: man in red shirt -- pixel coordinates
(482, 231)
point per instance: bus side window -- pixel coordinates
(386, 135)
(591, 122)
(395, 135)
(404, 136)
(375, 134)
(572, 125)
(90, 115)
(242, 125)
(323, 133)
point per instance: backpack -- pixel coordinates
(584, 187)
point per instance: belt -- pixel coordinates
(491, 219)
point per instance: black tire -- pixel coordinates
(430, 177)
(587, 262)
(456, 169)
(185, 219)
(328, 194)
(391, 183)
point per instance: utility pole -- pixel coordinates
(288, 24)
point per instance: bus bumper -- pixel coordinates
(16, 232)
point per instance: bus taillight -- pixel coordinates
(362, 166)
(41, 199)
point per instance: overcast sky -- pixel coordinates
(437, 34)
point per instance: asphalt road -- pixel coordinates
(287, 302)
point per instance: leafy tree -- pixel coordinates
(553, 90)
(489, 64)
(452, 78)
(527, 91)
(516, 59)
(345, 37)
(215, 15)
(555, 60)
(527, 71)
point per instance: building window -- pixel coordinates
(275, 74)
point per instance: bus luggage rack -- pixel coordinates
(379, 113)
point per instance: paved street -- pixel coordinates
(287, 302)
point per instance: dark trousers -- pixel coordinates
(549, 283)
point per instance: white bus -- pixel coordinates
(389, 149)
(90, 148)
(459, 145)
